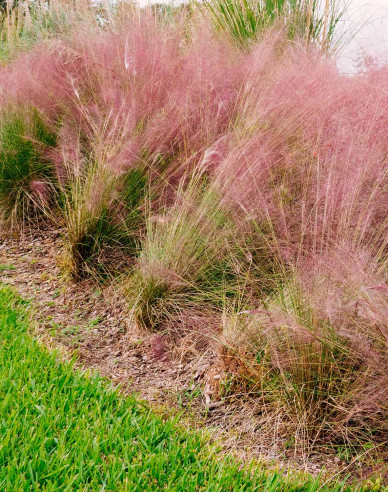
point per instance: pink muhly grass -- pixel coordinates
(40, 191)
(296, 156)
(140, 87)
(304, 159)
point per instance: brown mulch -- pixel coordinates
(92, 320)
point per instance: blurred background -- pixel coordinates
(369, 20)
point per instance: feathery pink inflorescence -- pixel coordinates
(291, 143)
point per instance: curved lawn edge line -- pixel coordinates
(65, 429)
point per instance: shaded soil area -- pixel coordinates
(174, 371)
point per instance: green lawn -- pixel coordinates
(62, 429)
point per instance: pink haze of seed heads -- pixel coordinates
(288, 141)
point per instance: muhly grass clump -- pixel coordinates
(185, 258)
(316, 362)
(27, 178)
(248, 185)
(148, 97)
(102, 213)
(309, 167)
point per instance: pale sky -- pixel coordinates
(369, 18)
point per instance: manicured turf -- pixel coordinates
(61, 429)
